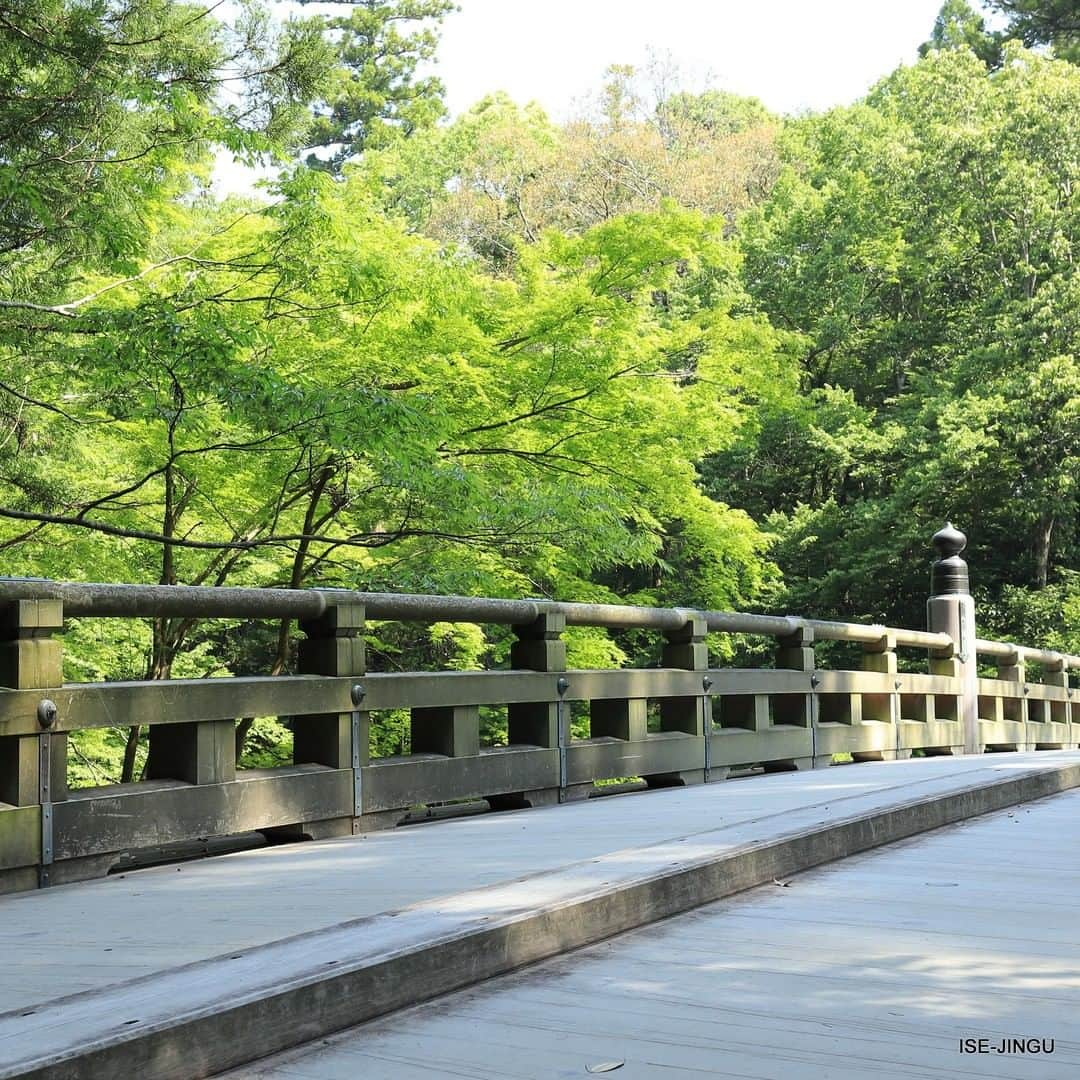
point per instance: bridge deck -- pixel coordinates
(205, 939)
(875, 966)
(92, 934)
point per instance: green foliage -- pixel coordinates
(475, 448)
(674, 352)
(920, 242)
(108, 111)
(1032, 23)
(501, 174)
(716, 111)
(268, 745)
(374, 95)
(959, 26)
(1044, 22)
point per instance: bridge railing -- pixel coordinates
(685, 721)
(1014, 709)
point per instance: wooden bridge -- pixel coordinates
(192, 968)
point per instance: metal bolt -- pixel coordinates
(1027, 689)
(815, 680)
(706, 682)
(897, 684)
(46, 713)
(357, 693)
(563, 684)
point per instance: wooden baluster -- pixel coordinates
(796, 653)
(1064, 736)
(543, 724)
(1014, 712)
(333, 645)
(883, 708)
(685, 648)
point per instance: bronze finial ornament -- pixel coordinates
(949, 573)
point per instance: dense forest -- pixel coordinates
(676, 350)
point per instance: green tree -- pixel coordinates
(375, 94)
(312, 393)
(502, 174)
(1032, 23)
(1044, 22)
(960, 26)
(108, 111)
(921, 246)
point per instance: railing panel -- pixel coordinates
(129, 816)
(173, 701)
(397, 784)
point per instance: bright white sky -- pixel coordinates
(792, 54)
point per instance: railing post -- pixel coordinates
(200, 752)
(1057, 674)
(33, 768)
(686, 648)
(334, 645)
(796, 653)
(1014, 708)
(881, 657)
(449, 730)
(539, 647)
(951, 610)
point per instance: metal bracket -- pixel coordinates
(45, 801)
(706, 723)
(357, 771)
(563, 723)
(961, 652)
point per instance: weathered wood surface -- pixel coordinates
(776, 718)
(198, 1018)
(682, 722)
(775, 983)
(155, 919)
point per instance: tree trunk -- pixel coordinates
(131, 748)
(1043, 533)
(166, 634)
(296, 580)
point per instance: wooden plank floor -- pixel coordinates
(874, 967)
(88, 936)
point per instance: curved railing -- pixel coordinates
(97, 599)
(685, 720)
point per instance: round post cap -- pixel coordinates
(949, 541)
(949, 573)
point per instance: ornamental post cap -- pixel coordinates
(949, 573)
(949, 541)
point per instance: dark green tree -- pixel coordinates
(958, 25)
(1034, 23)
(922, 246)
(1044, 22)
(375, 92)
(107, 109)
